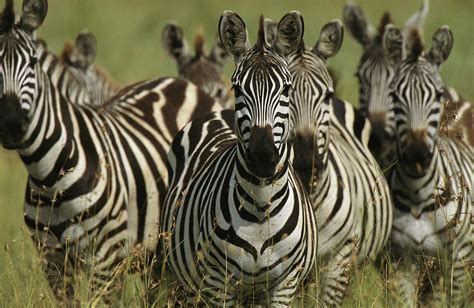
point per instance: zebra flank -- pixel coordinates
(96, 177)
(432, 182)
(346, 186)
(241, 228)
(203, 70)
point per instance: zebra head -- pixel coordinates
(418, 93)
(310, 96)
(82, 53)
(18, 70)
(203, 70)
(375, 71)
(261, 83)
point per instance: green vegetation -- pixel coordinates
(129, 47)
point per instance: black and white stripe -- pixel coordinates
(74, 73)
(432, 183)
(242, 230)
(203, 70)
(96, 176)
(347, 187)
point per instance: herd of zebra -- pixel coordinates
(245, 198)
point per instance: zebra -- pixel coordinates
(96, 177)
(204, 71)
(74, 73)
(348, 190)
(240, 228)
(80, 58)
(375, 71)
(432, 183)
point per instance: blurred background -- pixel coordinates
(128, 33)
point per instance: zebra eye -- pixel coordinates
(33, 61)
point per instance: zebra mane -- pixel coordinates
(8, 17)
(261, 42)
(66, 53)
(385, 20)
(416, 47)
(199, 43)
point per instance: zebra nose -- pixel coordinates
(307, 161)
(12, 120)
(262, 155)
(417, 155)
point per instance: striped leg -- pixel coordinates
(337, 276)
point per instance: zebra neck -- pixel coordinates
(416, 188)
(259, 197)
(49, 150)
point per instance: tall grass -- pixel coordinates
(129, 46)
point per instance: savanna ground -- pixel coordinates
(129, 47)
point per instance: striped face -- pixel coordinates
(375, 73)
(261, 83)
(18, 82)
(417, 92)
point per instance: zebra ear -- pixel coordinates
(174, 43)
(289, 33)
(85, 51)
(219, 54)
(270, 27)
(355, 21)
(330, 40)
(233, 34)
(393, 43)
(415, 22)
(33, 15)
(441, 46)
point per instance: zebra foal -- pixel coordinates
(241, 229)
(96, 177)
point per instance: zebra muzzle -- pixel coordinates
(262, 155)
(12, 121)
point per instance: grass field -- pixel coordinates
(129, 47)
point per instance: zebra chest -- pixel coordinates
(258, 248)
(425, 230)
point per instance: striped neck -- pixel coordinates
(52, 146)
(256, 196)
(417, 185)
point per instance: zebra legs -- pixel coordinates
(57, 267)
(336, 276)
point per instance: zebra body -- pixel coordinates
(432, 183)
(241, 229)
(96, 176)
(346, 186)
